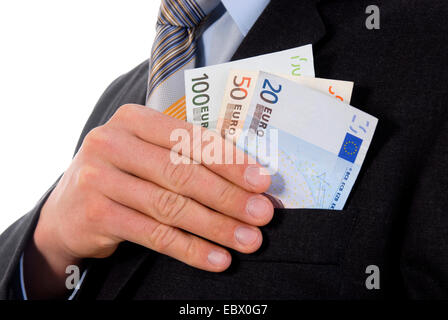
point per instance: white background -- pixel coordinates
(56, 59)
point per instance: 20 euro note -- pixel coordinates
(204, 87)
(313, 144)
(240, 88)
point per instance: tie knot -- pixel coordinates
(180, 13)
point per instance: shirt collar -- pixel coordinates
(245, 12)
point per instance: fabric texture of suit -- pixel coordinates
(396, 216)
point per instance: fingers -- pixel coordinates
(157, 128)
(133, 226)
(178, 211)
(153, 163)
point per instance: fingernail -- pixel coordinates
(246, 236)
(217, 258)
(259, 207)
(256, 176)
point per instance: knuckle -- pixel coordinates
(102, 254)
(86, 176)
(180, 175)
(97, 211)
(102, 141)
(104, 247)
(191, 250)
(170, 206)
(93, 212)
(96, 139)
(125, 112)
(227, 194)
(162, 238)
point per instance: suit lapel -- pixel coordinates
(284, 24)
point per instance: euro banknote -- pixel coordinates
(239, 90)
(204, 87)
(313, 144)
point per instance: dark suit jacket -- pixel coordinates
(396, 217)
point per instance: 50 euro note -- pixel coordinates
(240, 88)
(204, 87)
(313, 144)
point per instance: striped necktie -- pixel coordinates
(174, 51)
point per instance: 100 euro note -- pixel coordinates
(240, 88)
(313, 144)
(204, 87)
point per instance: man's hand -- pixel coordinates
(122, 185)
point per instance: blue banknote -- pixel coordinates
(313, 144)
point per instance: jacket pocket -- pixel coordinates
(310, 236)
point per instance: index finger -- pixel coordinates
(224, 159)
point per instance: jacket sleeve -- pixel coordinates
(12, 244)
